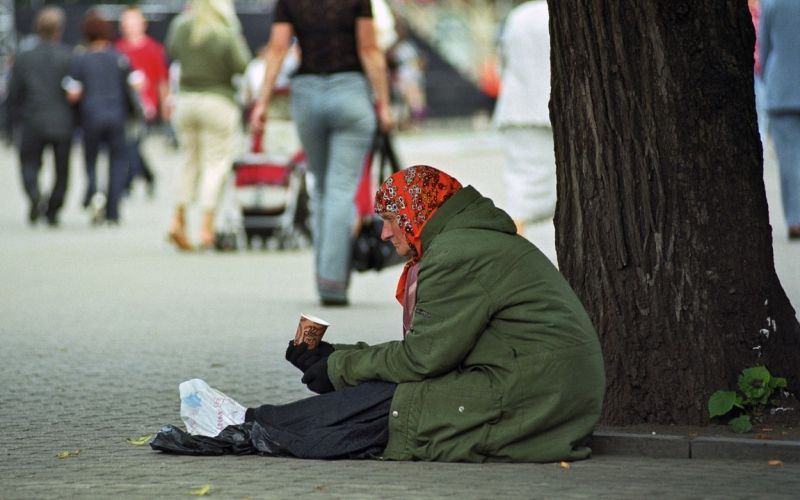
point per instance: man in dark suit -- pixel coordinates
(41, 114)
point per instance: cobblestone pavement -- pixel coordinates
(100, 325)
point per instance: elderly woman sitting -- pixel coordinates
(498, 361)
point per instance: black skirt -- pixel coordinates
(349, 423)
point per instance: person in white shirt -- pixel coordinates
(523, 117)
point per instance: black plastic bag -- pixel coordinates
(233, 440)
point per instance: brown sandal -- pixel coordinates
(180, 240)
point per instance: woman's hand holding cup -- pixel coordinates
(308, 348)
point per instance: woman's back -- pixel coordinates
(207, 63)
(103, 75)
(326, 31)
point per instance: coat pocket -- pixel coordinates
(455, 422)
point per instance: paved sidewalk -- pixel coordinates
(100, 325)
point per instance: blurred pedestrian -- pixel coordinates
(408, 80)
(149, 64)
(39, 106)
(208, 44)
(523, 117)
(99, 83)
(335, 111)
(779, 42)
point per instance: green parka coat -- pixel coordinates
(501, 362)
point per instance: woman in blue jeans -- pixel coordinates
(338, 93)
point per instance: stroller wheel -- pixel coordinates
(291, 242)
(284, 241)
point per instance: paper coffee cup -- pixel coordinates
(310, 330)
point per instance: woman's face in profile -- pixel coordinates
(392, 232)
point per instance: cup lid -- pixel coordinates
(315, 319)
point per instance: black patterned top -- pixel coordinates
(326, 31)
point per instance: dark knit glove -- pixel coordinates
(316, 377)
(303, 358)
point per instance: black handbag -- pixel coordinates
(369, 251)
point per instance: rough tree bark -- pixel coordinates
(662, 225)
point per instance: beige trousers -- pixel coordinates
(207, 126)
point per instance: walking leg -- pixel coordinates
(177, 232)
(61, 150)
(786, 136)
(30, 156)
(218, 134)
(118, 167)
(91, 146)
(353, 127)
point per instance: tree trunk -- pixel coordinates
(662, 225)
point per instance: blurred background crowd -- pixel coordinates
(441, 56)
(93, 82)
(451, 42)
(103, 78)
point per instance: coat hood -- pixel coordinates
(467, 209)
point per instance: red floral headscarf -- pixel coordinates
(412, 196)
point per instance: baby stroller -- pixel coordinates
(271, 192)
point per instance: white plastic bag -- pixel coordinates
(206, 411)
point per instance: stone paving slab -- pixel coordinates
(745, 449)
(643, 445)
(699, 447)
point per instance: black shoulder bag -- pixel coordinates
(369, 251)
